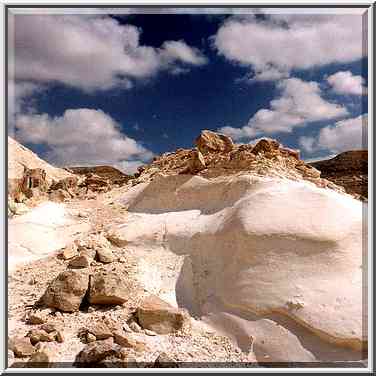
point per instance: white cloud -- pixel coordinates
(283, 42)
(344, 135)
(300, 103)
(81, 137)
(307, 143)
(345, 82)
(90, 52)
(172, 51)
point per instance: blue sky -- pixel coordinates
(119, 88)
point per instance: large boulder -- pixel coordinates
(108, 288)
(159, 316)
(67, 291)
(209, 141)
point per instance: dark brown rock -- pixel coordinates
(349, 170)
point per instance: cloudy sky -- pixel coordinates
(120, 87)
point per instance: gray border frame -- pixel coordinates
(366, 212)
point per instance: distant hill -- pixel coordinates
(348, 169)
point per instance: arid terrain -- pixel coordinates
(222, 255)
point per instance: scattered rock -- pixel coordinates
(126, 340)
(165, 361)
(150, 332)
(48, 328)
(70, 252)
(135, 327)
(100, 330)
(81, 261)
(96, 351)
(116, 239)
(88, 252)
(59, 195)
(67, 291)
(108, 289)
(39, 359)
(90, 338)
(59, 336)
(159, 316)
(40, 335)
(35, 318)
(21, 346)
(105, 255)
(122, 260)
(213, 142)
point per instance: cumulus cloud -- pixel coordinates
(344, 82)
(90, 52)
(283, 42)
(300, 103)
(344, 135)
(81, 137)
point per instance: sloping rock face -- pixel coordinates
(349, 170)
(20, 156)
(43, 230)
(260, 245)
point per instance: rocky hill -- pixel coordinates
(349, 170)
(112, 174)
(220, 255)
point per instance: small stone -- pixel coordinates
(59, 336)
(90, 337)
(100, 330)
(159, 316)
(32, 281)
(135, 327)
(97, 351)
(88, 252)
(164, 361)
(91, 309)
(39, 359)
(81, 261)
(48, 327)
(35, 318)
(150, 332)
(116, 238)
(122, 260)
(105, 255)
(39, 335)
(21, 346)
(70, 252)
